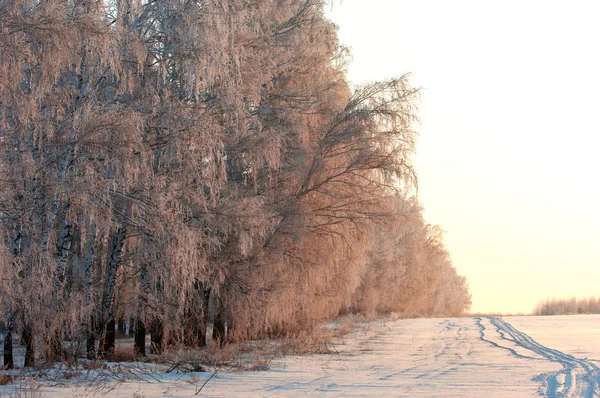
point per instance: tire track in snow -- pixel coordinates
(579, 377)
(482, 330)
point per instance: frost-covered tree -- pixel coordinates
(205, 169)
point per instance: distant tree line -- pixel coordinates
(204, 169)
(570, 306)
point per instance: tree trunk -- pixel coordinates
(210, 318)
(140, 338)
(107, 306)
(121, 326)
(63, 248)
(112, 266)
(89, 264)
(131, 326)
(174, 338)
(156, 336)
(193, 330)
(29, 341)
(108, 342)
(55, 344)
(140, 328)
(225, 331)
(91, 340)
(9, 362)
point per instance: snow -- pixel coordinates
(457, 357)
(574, 334)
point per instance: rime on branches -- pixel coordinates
(201, 170)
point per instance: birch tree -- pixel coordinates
(206, 169)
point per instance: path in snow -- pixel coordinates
(460, 357)
(578, 377)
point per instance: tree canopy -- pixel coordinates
(205, 168)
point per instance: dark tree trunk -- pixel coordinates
(91, 340)
(210, 318)
(9, 362)
(194, 320)
(221, 332)
(55, 344)
(131, 326)
(112, 266)
(156, 336)
(121, 326)
(173, 338)
(29, 341)
(193, 331)
(89, 265)
(140, 327)
(140, 338)
(108, 342)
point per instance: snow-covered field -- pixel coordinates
(474, 357)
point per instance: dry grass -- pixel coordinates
(315, 341)
(198, 360)
(6, 379)
(233, 356)
(95, 364)
(103, 378)
(570, 306)
(493, 314)
(258, 363)
(257, 355)
(123, 353)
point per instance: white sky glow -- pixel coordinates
(509, 150)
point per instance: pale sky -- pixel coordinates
(509, 151)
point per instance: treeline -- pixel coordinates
(568, 306)
(204, 168)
